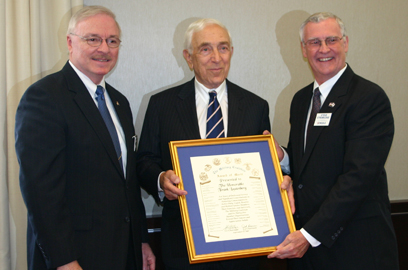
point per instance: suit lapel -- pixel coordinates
(91, 112)
(299, 129)
(186, 108)
(332, 103)
(126, 127)
(235, 110)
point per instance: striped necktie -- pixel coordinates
(215, 126)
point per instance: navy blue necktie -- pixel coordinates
(315, 109)
(103, 109)
(215, 126)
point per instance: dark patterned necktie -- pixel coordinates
(103, 109)
(315, 109)
(215, 126)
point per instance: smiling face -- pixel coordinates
(211, 55)
(94, 62)
(325, 61)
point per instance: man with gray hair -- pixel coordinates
(180, 113)
(74, 142)
(341, 132)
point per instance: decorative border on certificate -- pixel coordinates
(234, 207)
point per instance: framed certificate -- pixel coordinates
(234, 207)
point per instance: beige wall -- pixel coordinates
(267, 57)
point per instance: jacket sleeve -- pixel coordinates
(148, 157)
(40, 147)
(368, 133)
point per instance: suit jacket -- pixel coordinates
(339, 180)
(80, 206)
(172, 115)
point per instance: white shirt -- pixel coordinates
(91, 87)
(202, 98)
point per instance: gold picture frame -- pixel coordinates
(233, 209)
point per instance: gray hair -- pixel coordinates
(197, 26)
(322, 16)
(89, 11)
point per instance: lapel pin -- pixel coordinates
(332, 104)
(117, 103)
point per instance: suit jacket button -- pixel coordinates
(300, 186)
(333, 238)
(127, 219)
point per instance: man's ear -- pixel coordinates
(188, 58)
(69, 43)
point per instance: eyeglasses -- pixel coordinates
(96, 41)
(316, 43)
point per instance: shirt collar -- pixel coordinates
(327, 86)
(203, 91)
(89, 84)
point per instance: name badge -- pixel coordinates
(322, 119)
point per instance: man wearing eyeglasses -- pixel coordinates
(74, 142)
(341, 133)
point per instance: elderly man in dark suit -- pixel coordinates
(75, 145)
(341, 133)
(180, 113)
